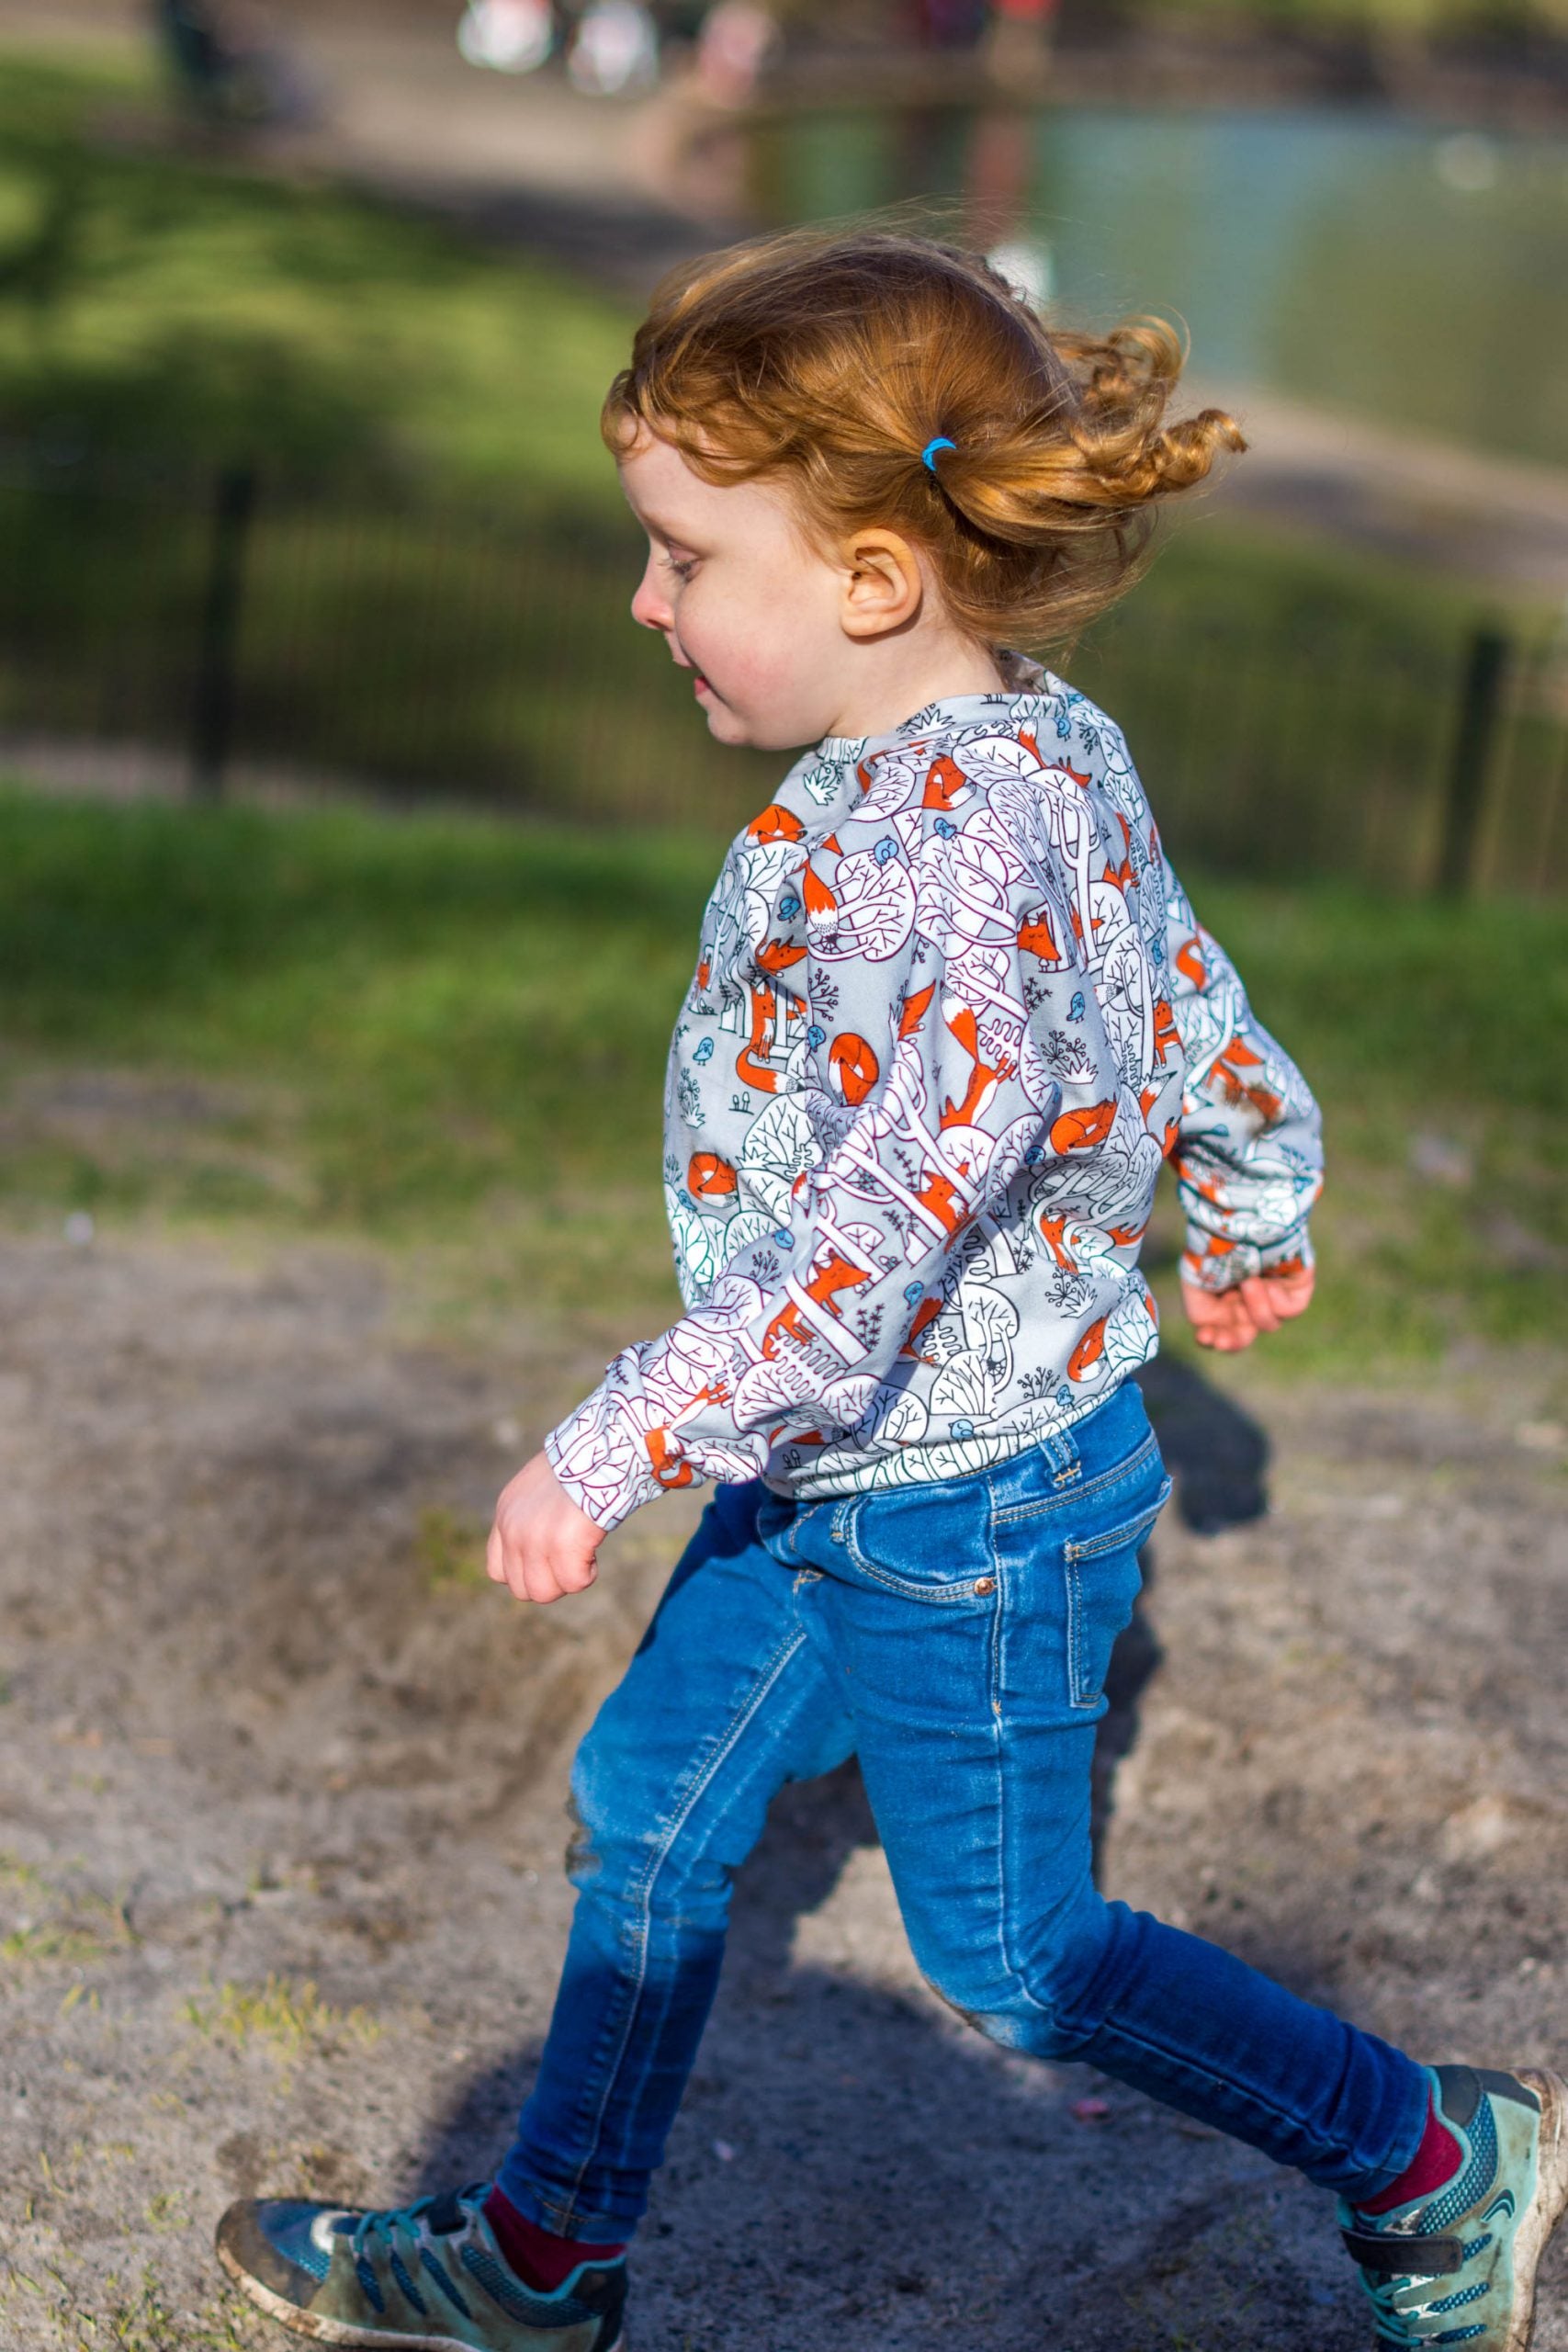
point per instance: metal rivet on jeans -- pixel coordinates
(985, 1584)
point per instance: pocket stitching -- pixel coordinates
(948, 1596)
(1073, 1555)
(1011, 1513)
(1115, 1539)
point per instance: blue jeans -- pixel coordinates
(956, 1637)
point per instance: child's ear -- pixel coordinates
(883, 587)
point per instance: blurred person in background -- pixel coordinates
(508, 36)
(228, 64)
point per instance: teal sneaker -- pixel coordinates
(429, 2273)
(1457, 2267)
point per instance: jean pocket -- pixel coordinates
(929, 1543)
(1103, 1581)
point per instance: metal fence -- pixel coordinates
(233, 629)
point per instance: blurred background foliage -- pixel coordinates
(444, 1032)
(160, 306)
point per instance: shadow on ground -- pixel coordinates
(889, 2134)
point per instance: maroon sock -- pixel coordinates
(1435, 2161)
(540, 2259)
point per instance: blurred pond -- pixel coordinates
(1407, 271)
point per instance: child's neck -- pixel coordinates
(899, 678)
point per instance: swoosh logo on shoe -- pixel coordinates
(1502, 2203)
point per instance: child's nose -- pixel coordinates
(651, 606)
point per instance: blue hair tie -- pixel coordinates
(928, 455)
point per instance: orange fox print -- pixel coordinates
(708, 1177)
(927, 1312)
(775, 824)
(854, 1068)
(752, 1062)
(1082, 1130)
(1189, 961)
(820, 901)
(836, 1274)
(1036, 937)
(984, 1077)
(944, 781)
(776, 956)
(1052, 1229)
(1166, 1038)
(914, 1011)
(1231, 1072)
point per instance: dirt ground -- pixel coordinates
(282, 1789)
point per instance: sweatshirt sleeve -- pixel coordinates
(921, 1111)
(1248, 1150)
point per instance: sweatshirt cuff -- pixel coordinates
(596, 1463)
(1212, 1262)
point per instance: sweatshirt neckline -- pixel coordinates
(938, 717)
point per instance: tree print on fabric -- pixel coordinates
(951, 1010)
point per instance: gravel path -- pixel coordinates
(282, 1789)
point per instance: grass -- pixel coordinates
(53, 1927)
(450, 1036)
(121, 2316)
(279, 2017)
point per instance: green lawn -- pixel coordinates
(450, 1036)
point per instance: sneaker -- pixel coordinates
(429, 2273)
(1458, 2265)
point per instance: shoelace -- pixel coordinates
(1431, 2323)
(443, 2214)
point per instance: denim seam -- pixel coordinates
(642, 1892)
(1123, 1471)
(1075, 1632)
(998, 1743)
(1180, 2059)
(1084, 2023)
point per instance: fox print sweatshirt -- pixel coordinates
(951, 1010)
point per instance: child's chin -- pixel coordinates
(725, 725)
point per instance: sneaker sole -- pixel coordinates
(1546, 2207)
(337, 2331)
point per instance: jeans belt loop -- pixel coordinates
(1062, 1454)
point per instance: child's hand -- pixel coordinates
(1232, 1319)
(541, 1546)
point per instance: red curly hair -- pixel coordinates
(833, 359)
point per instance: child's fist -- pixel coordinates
(1232, 1319)
(542, 1546)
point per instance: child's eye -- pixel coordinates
(682, 566)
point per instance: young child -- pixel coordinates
(951, 1010)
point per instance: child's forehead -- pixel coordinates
(669, 496)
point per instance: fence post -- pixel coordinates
(213, 700)
(1481, 697)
